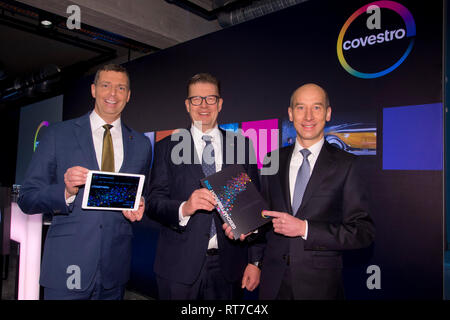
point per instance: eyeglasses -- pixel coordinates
(197, 100)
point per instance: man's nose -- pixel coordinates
(308, 114)
(204, 104)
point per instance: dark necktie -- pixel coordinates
(108, 150)
(302, 180)
(209, 168)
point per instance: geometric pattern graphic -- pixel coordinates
(229, 193)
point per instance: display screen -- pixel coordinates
(112, 191)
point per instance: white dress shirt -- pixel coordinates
(98, 131)
(199, 143)
(296, 162)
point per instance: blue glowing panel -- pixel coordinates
(413, 137)
(288, 133)
(230, 126)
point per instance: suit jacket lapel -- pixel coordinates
(323, 166)
(195, 166)
(226, 144)
(83, 133)
(285, 163)
(128, 146)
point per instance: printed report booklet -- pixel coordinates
(239, 203)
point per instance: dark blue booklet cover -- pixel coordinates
(239, 203)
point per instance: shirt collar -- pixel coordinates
(315, 148)
(197, 134)
(97, 122)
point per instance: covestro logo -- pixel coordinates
(378, 36)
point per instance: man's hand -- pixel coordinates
(74, 178)
(286, 224)
(200, 199)
(250, 280)
(137, 214)
(230, 233)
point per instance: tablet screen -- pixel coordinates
(113, 191)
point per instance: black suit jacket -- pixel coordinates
(336, 207)
(181, 251)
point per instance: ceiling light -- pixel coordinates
(46, 23)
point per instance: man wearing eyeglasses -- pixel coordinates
(194, 259)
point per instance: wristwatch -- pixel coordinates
(257, 264)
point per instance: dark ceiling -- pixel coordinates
(37, 61)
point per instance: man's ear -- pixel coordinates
(186, 103)
(219, 106)
(328, 117)
(93, 90)
(291, 118)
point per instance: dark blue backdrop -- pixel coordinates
(260, 63)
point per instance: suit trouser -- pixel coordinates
(285, 292)
(95, 291)
(210, 285)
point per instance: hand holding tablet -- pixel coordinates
(113, 191)
(137, 214)
(74, 177)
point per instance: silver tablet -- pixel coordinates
(112, 191)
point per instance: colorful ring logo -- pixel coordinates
(36, 143)
(410, 32)
(262, 214)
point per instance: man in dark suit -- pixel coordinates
(194, 259)
(87, 253)
(320, 208)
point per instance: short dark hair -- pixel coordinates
(112, 67)
(203, 78)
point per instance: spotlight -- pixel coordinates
(46, 23)
(46, 20)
